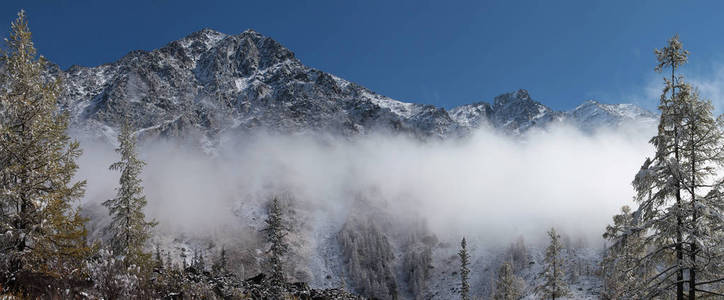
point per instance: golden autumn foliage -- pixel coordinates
(44, 232)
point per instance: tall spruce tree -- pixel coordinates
(129, 230)
(464, 270)
(276, 235)
(42, 231)
(554, 284)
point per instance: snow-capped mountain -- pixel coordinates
(210, 82)
(516, 112)
(512, 112)
(215, 82)
(591, 114)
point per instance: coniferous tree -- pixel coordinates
(42, 231)
(276, 235)
(221, 262)
(195, 259)
(169, 262)
(658, 184)
(621, 270)
(158, 261)
(553, 285)
(518, 253)
(222, 258)
(129, 229)
(464, 271)
(508, 286)
(702, 139)
(201, 264)
(677, 207)
(183, 260)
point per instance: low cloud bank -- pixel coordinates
(488, 186)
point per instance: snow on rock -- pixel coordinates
(220, 83)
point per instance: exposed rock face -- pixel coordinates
(210, 82)
(517, 112)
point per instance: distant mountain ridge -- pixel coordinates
(209, 82)
(516, 112)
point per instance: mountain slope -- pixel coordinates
(210, 82)
(214, 82)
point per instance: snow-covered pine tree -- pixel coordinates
(508, 286)
(42, 231)
(195, 259)
(201, 264)
(129, 230)
(621, 270)
(464, 270)
(554, 284)
(276, 232)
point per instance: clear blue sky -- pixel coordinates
(438, 52)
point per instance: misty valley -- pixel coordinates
(221, 167)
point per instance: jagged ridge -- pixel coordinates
(210, 82)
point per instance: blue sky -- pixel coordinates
(444, 53)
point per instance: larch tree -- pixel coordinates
(553, 285)
(129, 230)
(658, 183)
(508, 286)
(464, 270)
(42, 230)
(678, 208)
(702, 154)
(276, 232)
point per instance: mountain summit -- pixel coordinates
(210, 82)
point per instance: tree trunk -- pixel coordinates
(692, 254)
(679, 223)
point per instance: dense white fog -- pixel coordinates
(487, 186)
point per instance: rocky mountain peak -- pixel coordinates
(210, 82)
(589, 102)
(515, 98)
(205, 36)
(517, 111)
